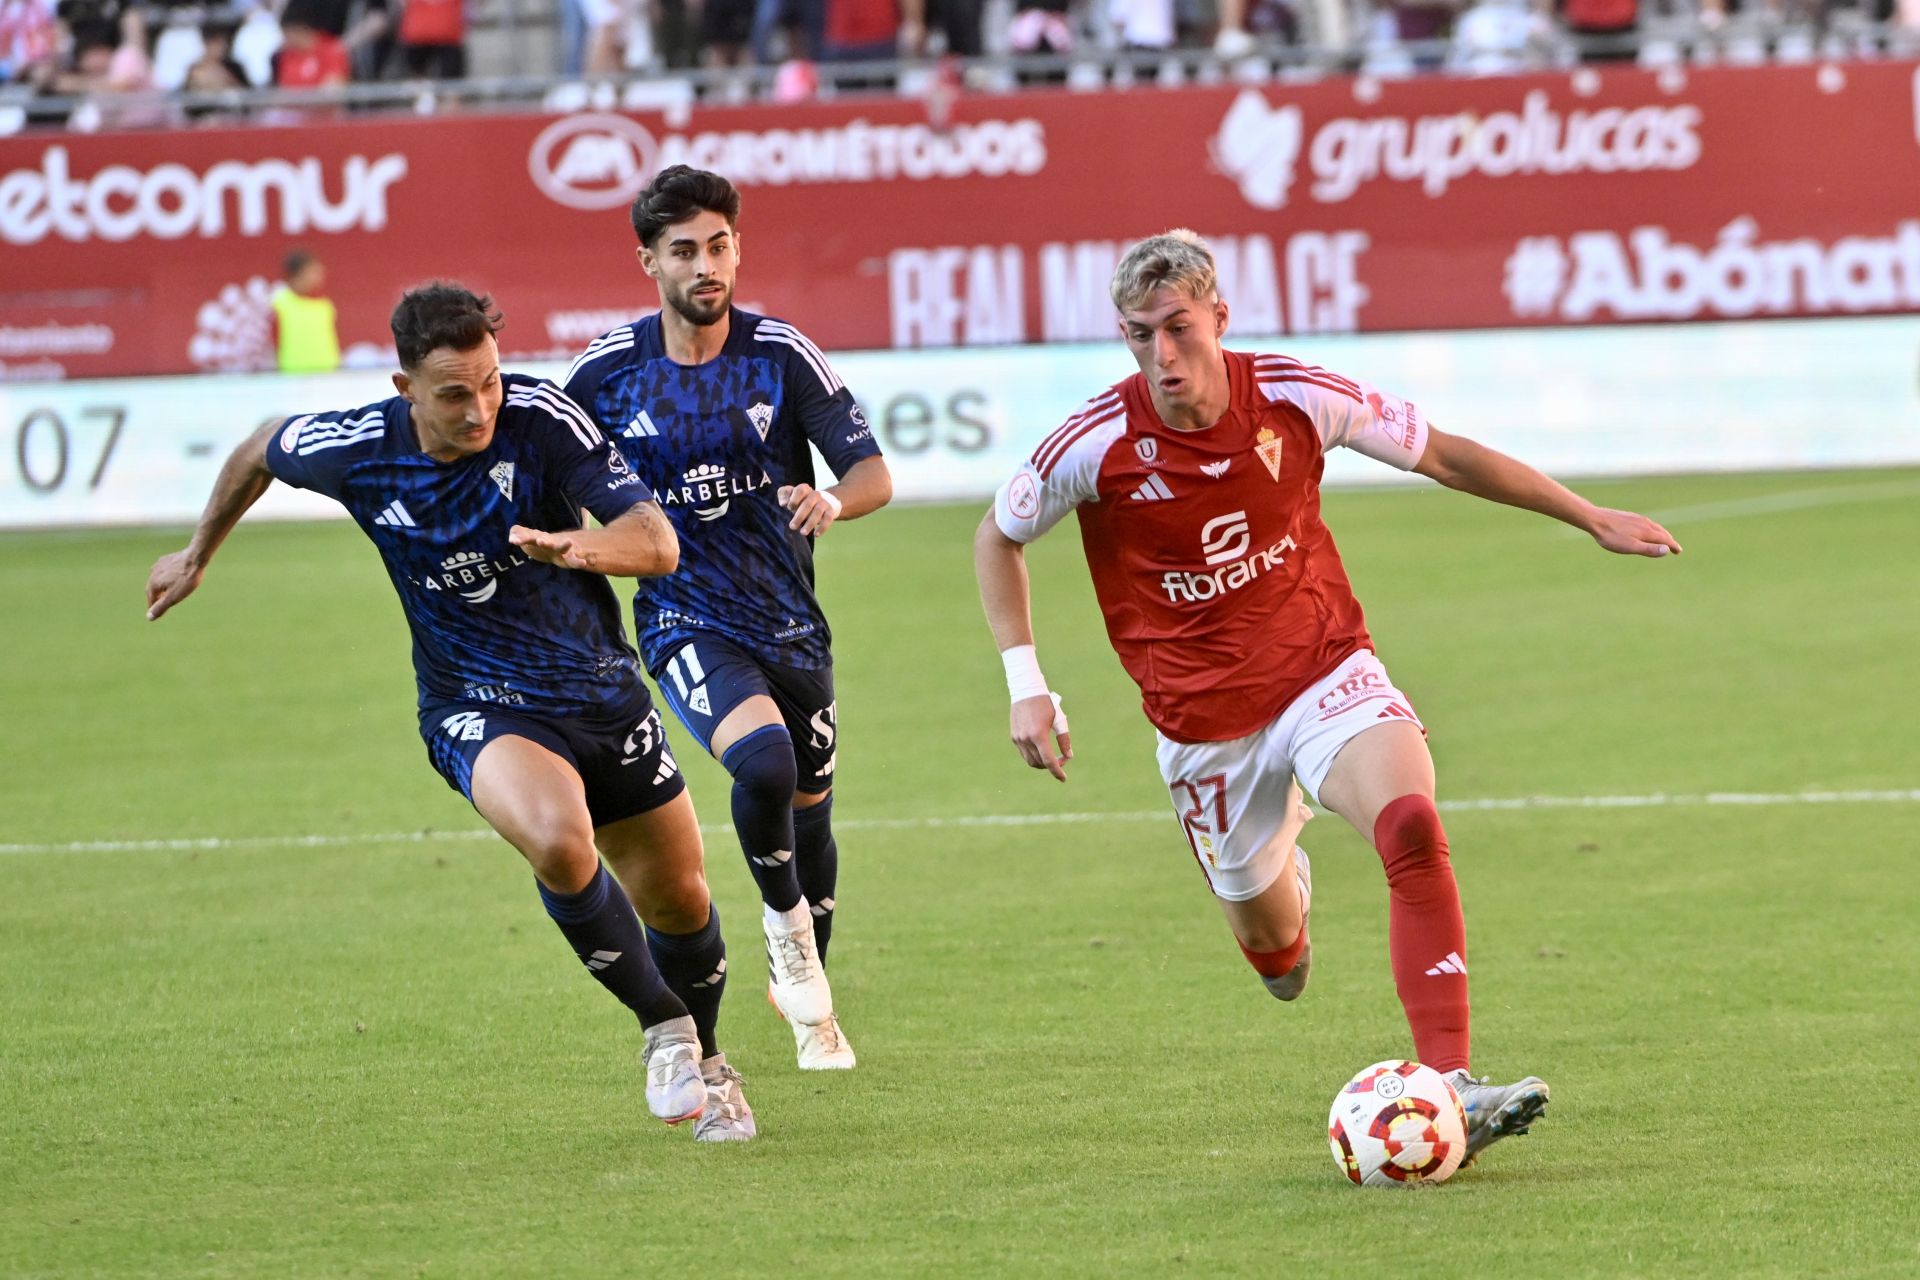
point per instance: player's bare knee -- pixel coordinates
(561, 852)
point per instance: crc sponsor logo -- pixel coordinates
(710, 489)
(598, 160)
(1358, 685)
(473, 575)
(1646, 275)
(172, 202)
(1224, 541)
(1260, 146)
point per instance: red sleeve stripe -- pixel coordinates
(1267, 365)
(1268, 380)
(1063, 440)
(1093, 408)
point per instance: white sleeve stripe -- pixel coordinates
(558, 406)
(775, 331)
(606, 344)
(336, 442)
(321, 430)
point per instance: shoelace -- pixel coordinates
(794, 956)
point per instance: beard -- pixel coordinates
(702, 311)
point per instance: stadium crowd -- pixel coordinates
(107, 50)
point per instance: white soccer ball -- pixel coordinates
(1397, 1124)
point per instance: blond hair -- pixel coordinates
(1178, 259)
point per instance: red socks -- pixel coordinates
(1277, 964)
(1427, 937)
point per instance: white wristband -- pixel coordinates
(833, 500)
(1023, 673)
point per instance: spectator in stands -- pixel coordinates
(215, 71)
(29, 40)
(107, 52)
(1423, 24)
(1040, 26)
(1499, 37)
(362, 27)
(1141, 24)
(433, 39)
(726, 32)
(1603, 28)
(869, 30)
(305, 335)
(959, 23)
(310, 58)
(800, 23)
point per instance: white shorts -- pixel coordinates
(1232, 797)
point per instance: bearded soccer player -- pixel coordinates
(715, 407)
(471, 484)
(1196, 483)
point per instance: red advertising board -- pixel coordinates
(1335, 206)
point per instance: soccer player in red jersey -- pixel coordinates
(1197, 485)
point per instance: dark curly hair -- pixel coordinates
(676, 194)
(439, 314)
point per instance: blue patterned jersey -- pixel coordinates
(715, 442)
(490, 623)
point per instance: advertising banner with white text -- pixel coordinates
(1337, 206)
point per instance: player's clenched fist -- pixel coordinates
(813, 509)
(172, 579)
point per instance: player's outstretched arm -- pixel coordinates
(867, 487)
(243, 478)
(1471, 467)
(640, 543)
(1035, 721)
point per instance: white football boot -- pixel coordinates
(1496, 1111)
(727, 1117)
(675, 1091)
(800, 989)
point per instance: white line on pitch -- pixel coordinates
(1791, 500)
(1657, 800)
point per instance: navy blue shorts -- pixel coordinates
(621, 755)
(706, 678)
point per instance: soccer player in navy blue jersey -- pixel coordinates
(471, 483)
(716, 407)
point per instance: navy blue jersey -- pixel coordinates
(490, 623)
(716, 442)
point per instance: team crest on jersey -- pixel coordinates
(761, 416)
(1148, 448)
(1267, 445)
(502, 474)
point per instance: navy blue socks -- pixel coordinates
(764, 775)
(819, 866)
(606, 935)
(694, 966)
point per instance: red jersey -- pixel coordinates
(322, 63)
(1223, 593)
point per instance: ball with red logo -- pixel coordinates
(1397, 1124)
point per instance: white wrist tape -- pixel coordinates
(833, 500)
(1023, 673)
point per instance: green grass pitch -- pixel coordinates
(369, 1054)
